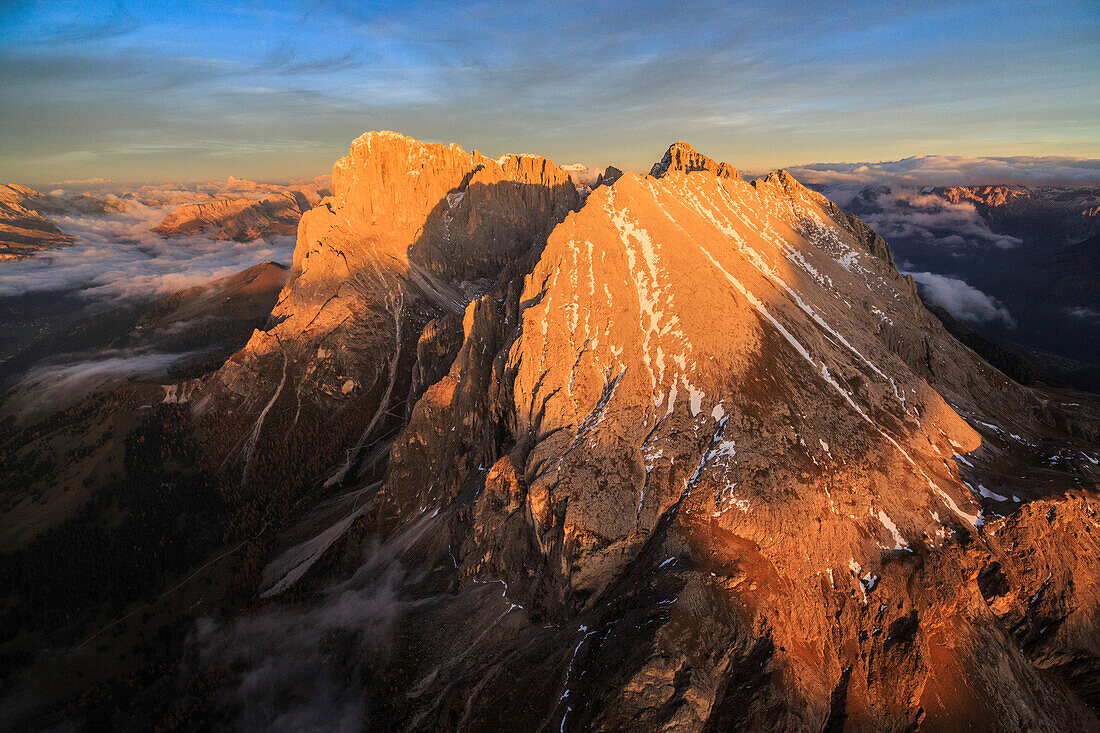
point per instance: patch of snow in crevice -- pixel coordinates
(503, 594)
(899, 541)
(568, 675)
(986, 493)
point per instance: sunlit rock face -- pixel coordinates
(694, 329)
(410, 234)
(24, 231)
(683, 158)
(689, 455)
(238, 219)
(716, 441)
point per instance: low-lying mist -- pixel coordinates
(117, 258)
(55, 385)
(66, 310)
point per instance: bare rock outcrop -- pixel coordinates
(610, 175)
(692, 456)
(683, 158)
(408, 225)
(727, 471)
(987, 195)
(24, 231)
(238, 219)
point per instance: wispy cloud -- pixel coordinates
(961, 300)
(52, 386)
(910, 214)
(1083, 312)
(757, 85)
(290, 680)
(290, 683)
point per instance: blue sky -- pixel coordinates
(158, 91)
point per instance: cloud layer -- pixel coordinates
(956, 170)
(116, 257)
(962, 301)
(55, 385)
(910, 214)
(291, 680)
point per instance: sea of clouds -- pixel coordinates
(115, 256)
(116, 261)
(913, 214)
(956, 170)
(961, 300)
(895, 199)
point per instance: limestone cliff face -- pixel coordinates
(708, 439)
(697, 326)
(686, 159)
(411, 232)
(691, 456)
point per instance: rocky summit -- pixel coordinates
(689, 456)
(684, 453)
(384, 267)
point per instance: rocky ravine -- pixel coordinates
(691, 456)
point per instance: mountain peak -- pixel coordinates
(684, 158)
(691, 442)
(782, 178)
(407, 225)
(986, 195)
(383, 135)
